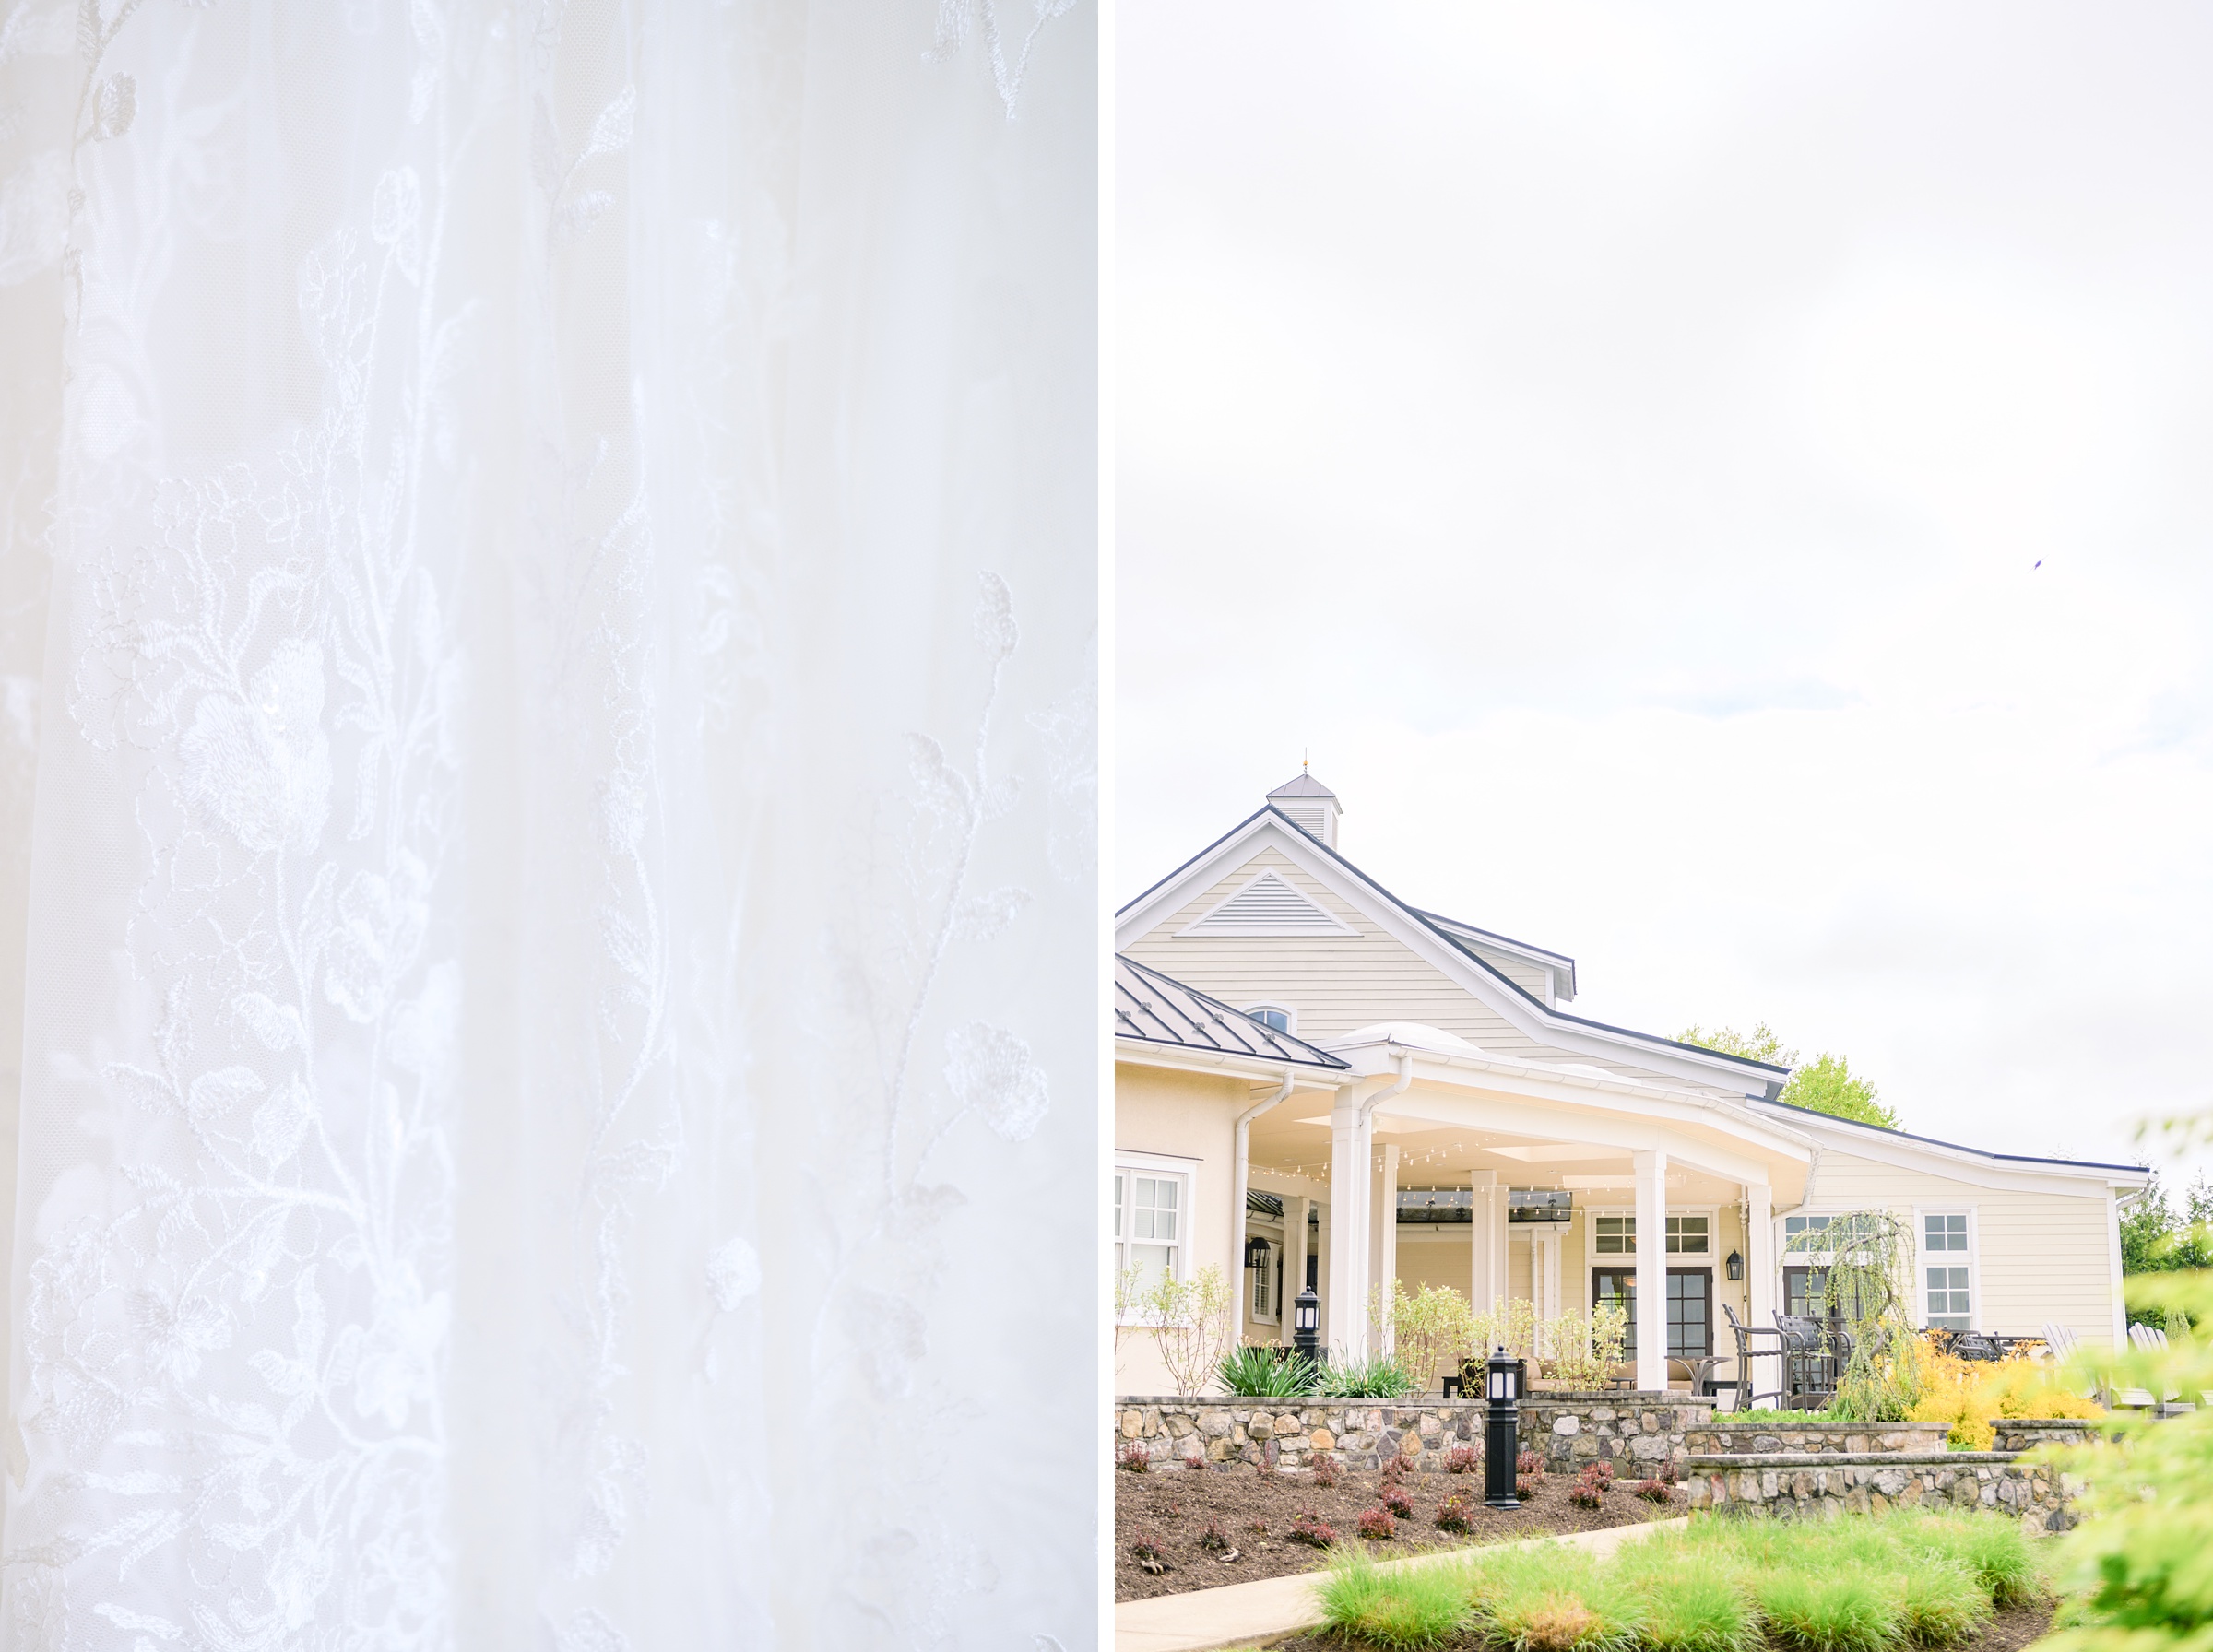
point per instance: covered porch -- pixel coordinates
(1559, 1185)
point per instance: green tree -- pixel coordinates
(2154, 1239)
(1825, 1084)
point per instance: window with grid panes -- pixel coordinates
(1945, 1271)
(1148, 1223)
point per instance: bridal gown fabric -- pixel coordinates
(548, 856)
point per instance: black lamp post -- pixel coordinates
(1501, 1430)
(1306, 1318)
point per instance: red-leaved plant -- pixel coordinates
(1214, 1539)
(1654, 1490)
(1324, 1469)
(1456, 1512)
(1377, 1524)
(1133, 1457)
(1462, 1459)
(1530, 1463)
(1397, 1502)
(1311, 1529)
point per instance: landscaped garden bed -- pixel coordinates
(1189, 1522)
(1860, 1584)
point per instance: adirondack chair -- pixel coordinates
(2151, 1337)
(2064, 1345)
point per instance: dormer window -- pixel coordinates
(1273, 1016)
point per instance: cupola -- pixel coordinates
(1308, 804)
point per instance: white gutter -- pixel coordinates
(1239, 1177)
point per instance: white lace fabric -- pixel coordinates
(548, 842)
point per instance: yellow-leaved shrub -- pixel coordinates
(1971, 1395)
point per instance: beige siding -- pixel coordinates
(2043, 1256)
(1447, 1259)
(1336, 983)
(1186, 1115)
(1532, 978)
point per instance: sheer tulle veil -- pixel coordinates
(548, 851)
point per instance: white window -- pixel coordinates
(1687, 1236)
(1151, 1218)
(1948, 1269)
(1264, 1279)
(1276, 1016)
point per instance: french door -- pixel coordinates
(1689, 1307)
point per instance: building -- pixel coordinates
(1315, 1079)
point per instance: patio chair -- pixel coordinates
(1748, 1391)
(2064, 1345)
(1813, 1354)
(2149, 1336)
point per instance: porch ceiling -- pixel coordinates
(1442, 1135)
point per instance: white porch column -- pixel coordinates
(1652, 1269)
(1295, 1268)
(1501, 1259)
(1384, 1226)
(1761, 1273)
(1483, 1183)
(1348, 1181)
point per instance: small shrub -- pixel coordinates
(1525, 1485)
(1214, 1539)
(1942, 1605)
(1133, 1458)
(1377, 1524)
(1456, 1512)
(1149, 1555)
(1324, 1469)
(1259, 1528)
(1313, 1530)
(1599, 1473)
(1847, 1611)
(1375, 1376)
(1462, 1459)
(1405, 1612)
(1691, 1605)
(1653, 1490)
(1398, 1503)
(1261, 1373)
(1588, 1494)
(1395, 1468)
(1530, 1463)
(1559, 1625)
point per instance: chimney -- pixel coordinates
(1309, 805)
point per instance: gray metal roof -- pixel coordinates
(1303, 784)
(1159, 1010)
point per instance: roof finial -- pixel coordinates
(1305, 753)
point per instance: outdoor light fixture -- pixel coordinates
(1256, 1253)
(1305, 1320)
(1737, 1265)
(1501, 1430)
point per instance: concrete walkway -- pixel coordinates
(1250, 1614)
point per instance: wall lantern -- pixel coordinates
(1737, 1265)
(1256, 1253)
(1306, 1321)
(1501, 1430)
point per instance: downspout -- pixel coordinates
(1367, 1145)
(1239, 1177)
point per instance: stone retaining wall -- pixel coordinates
(1646, 1431)
(1786, 1486)
(2026, 1433)
(1723, 1438)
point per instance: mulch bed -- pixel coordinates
(1174, 1506)
(2013, 1628)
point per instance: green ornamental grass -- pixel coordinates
(1860, 1584)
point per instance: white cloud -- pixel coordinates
(1620, 444)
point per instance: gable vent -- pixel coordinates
(1267, 905)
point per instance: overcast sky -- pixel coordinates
(1619, 443)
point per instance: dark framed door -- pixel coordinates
(1689, 1308)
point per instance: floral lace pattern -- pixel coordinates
(481, 922)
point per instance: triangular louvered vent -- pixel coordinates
(1267, 905)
